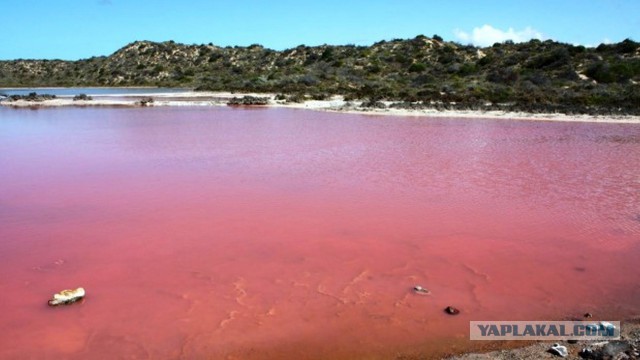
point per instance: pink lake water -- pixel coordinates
(287, 234)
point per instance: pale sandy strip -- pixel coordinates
(335, 104)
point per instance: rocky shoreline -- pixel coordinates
(334, 104)
(628, 347)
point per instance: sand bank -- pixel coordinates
(335, 104)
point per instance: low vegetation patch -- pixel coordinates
(248, 100)
(82, 97)
(32, 97)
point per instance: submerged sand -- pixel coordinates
(335, 104)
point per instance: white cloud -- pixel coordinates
(487, 35)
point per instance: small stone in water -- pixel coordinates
(451, 310)
(67, 297)
(420, 290)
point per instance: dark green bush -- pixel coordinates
(467, 68)
(553, 59)
(606, 73)
(627, 46)
(84, 97)
(503, 75)
(417, 67)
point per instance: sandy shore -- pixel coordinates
(335, 104)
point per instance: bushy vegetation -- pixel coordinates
(32, 96)
(83, 97)
(543, 76)
(248, 100)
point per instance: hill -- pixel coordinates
(536, 76)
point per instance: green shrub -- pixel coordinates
(552, 59)
(627, 46)
(467, 69)
(417, 67)
(487, 60)
(503, 75)
(327, 54)
(606, 73)
(84, 97)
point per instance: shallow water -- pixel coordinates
(278, 233)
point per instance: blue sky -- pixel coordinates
(74, 29)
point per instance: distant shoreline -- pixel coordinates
(333, 104)
(86, 87)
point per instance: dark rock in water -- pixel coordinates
(588, 315)
(559, 350)
(451, 310)
(145, 101)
